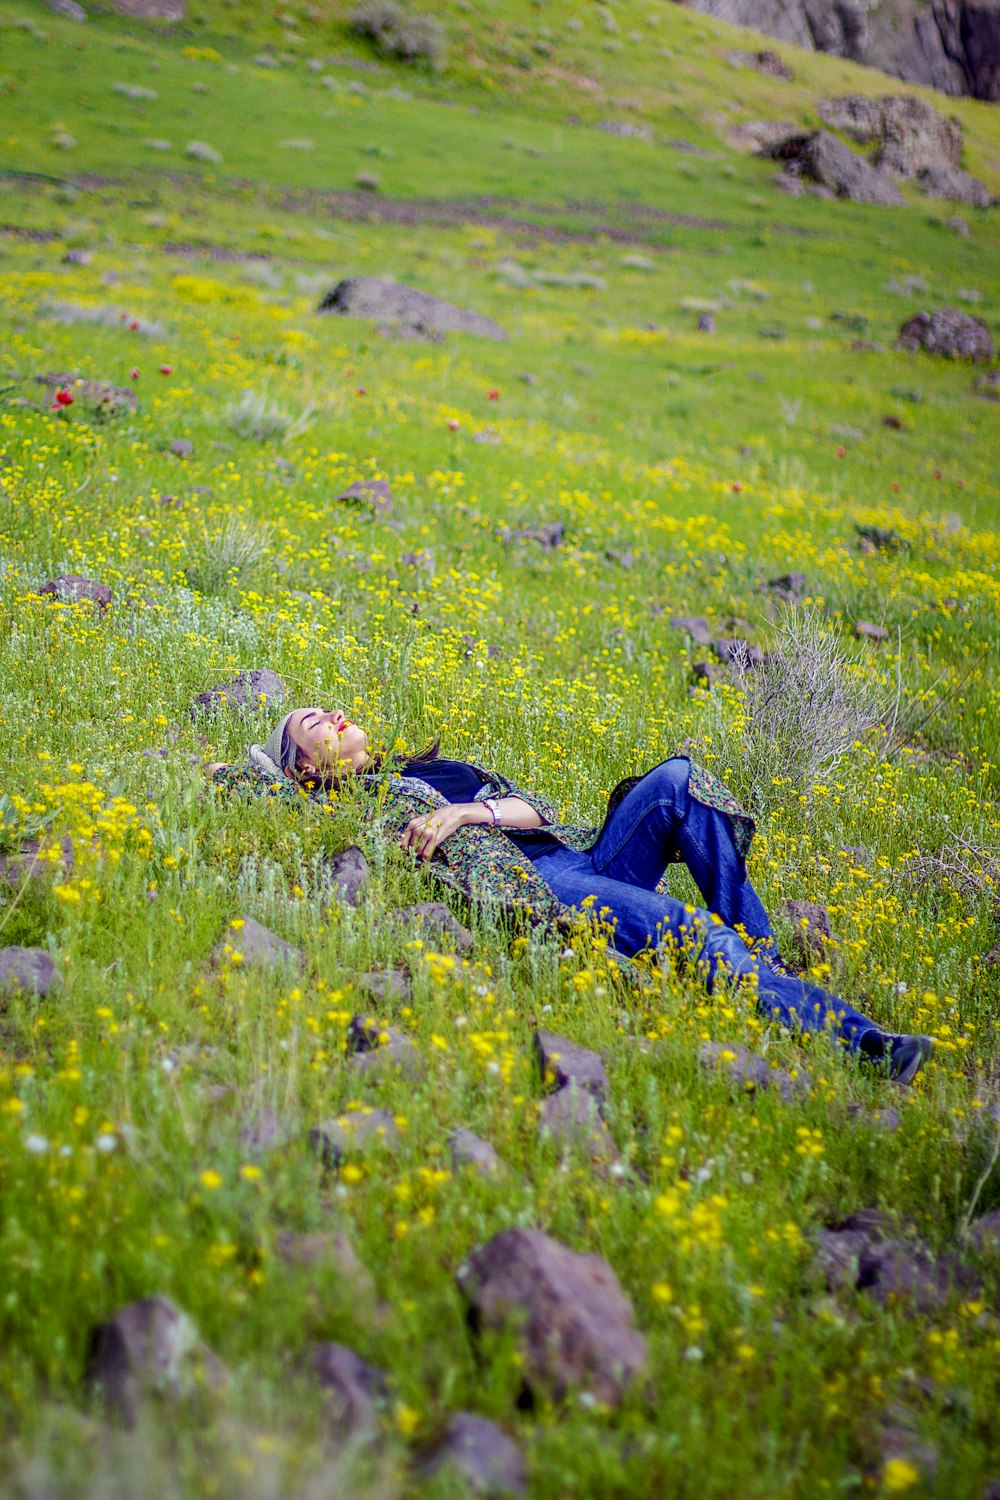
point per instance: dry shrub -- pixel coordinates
(399, 33)
(224, 555)
(810, 703)
(254, 417)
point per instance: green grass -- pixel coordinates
(715, 461)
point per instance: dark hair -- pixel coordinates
(330, 782)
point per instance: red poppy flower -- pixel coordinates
(493, 395)
(362, 391)
(134, 325)
(895, 486)
(63, 398)
(134, 373)
(452, 424)
(166, 369)
(736, 486)
(841, 452)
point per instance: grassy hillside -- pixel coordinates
(687, 468)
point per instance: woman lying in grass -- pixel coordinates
(497, 843)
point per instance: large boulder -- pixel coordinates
(574, 1322)
(257, 947)
(29, 970)
(909, 134)
(73, 588)
(354, 1389)
(247, 690)
(390, 302)
(480, 1456)
(822, 158)
(149, 1348)
(955, 185)
(563, 1063)
(949, 333)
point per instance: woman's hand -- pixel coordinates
(423, 834)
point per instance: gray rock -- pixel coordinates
(330, 1248)
(349, 873)
(182, 448)
(959, 225)
(893, 1272)
(29, 970)
(480, 1455)
(434, 920)
(694, 626)
(264, 1130)
(389, 302)
(372, 494)
(574, 1324)
(629, 129)
(547, 534)
(888, 1119)
(68, 9)
(152, 10)
(25, 863)
(706, 323)
(375, 1049)
(956, 186)
(149, 1348)
(356, 1130)
(838, 1257)
(709, 673)
(247, 690)
(948, 333)
(99, 398)
(765, 61)
(788, 586)
(899, 1437)
(984, 1234)
(811, 931)
(385, 984)
(748, 1072)
(76, 257)
(909, 134)
(737, 653)
(71, 588)
(759, 135)
(355, 1390)
(571, 1119)
(564, 1062)
(873, 1223)
(469, 1150)
(821, 157)
(865, 630)
(260, 948)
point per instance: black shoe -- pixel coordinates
(907, 1055)
(900, 1056)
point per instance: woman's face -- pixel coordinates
(327, 740)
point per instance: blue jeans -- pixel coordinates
(656, 823)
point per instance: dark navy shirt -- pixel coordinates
(459, 782)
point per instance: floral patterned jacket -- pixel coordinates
(479, 860)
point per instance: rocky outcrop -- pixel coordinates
(390, 305)
(908, 134)
(821, 158)
(951, 45)
(949, 333)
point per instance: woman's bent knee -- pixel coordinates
(669, 779)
